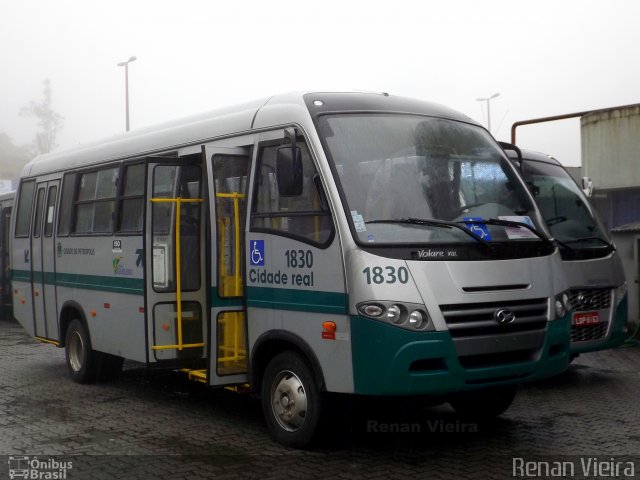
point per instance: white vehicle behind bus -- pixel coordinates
(6, 205)
(591, 264)
(296, 246)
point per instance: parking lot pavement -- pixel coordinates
(153, 424)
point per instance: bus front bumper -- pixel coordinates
(388, 360)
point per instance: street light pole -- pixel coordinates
(126, 84)
(488, 100)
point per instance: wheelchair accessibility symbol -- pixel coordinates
(256, 256)
(479, 228)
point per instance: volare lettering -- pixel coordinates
(430, 253)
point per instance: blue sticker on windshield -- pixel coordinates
(478, 227)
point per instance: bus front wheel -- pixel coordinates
(291, 401)
(82, 360)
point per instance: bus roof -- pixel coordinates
(272, 111)
(7, 196)
(535, 156)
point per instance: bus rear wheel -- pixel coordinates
(82, 360)
(291, 400)
(483, 404)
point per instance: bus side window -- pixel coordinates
(37, 218)
(50, 211)
(131, 203)
(25, 202)
(304, 216)
(230, 173)
(66, 202)
(95, 203)
(171, 182)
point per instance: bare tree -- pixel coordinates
(12, 157)
(49, 121)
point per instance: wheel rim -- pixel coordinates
(76, 351)
(289, 401)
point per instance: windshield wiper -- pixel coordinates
(509, 223)
(586, 239)
(435, 223)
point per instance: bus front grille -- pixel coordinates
(482, 341)
(590, 299)
(589, 333)
(478, 319)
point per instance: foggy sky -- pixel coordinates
(544, 57)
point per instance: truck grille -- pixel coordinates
(589, 333)
(476, 319)
(587, 299)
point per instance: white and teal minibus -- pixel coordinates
(6, 205)
(591, 264)
(296, 246)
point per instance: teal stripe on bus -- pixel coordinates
(220, 302)
(133, 286)
(21, 275)
(299, 300)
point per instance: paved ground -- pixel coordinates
(157, 425)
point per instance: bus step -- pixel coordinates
(196, 375)
(201, 376)
(243, 388)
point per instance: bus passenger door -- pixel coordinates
(6, 312)
(175, 281)
(228, 187)
(43, 262)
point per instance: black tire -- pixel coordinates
(483, 404)
(82, 360)
(291, 400)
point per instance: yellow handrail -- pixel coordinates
(231, 355)
(178, 201)
(236, 221)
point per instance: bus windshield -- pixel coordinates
(396, 168)
(564, 206)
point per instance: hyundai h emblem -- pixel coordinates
(504, 316)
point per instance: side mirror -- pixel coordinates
(509, 147)
(289, 169)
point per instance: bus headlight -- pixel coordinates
(410, 316)
(562, 304)
(373, 310)
(394, 314)
(417, 319)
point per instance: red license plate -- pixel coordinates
(585, 319)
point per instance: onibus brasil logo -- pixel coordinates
(33, 468)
